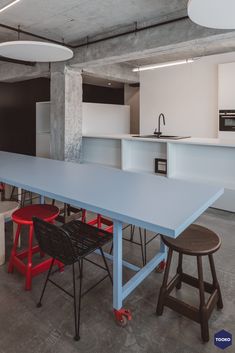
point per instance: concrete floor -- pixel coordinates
(26, 329)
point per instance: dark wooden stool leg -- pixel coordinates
(202, 309)
(23, 197)
(68, 210)
(132, 232)
(142, 246)
(160, 304)
(215, 282)
(180, 270)
(65, 213)
(30, 197)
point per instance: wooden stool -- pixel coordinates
(195, 241)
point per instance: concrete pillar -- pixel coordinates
(66, 113)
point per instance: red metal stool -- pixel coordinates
(99, 221)
(102, 223)
(24, 216)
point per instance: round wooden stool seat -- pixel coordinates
(195, 240)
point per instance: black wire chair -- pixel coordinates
(71, 244)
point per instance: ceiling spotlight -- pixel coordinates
(157, 66)
(9, 5)
(212, 13)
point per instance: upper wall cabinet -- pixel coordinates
(226, 94)
(43, 124)
(43, 127)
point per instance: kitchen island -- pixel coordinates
(207, 160)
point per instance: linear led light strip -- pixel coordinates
(157, 66)
(9, 5)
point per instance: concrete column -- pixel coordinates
(66, 113)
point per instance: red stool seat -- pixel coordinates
(24, 216)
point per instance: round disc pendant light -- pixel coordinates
(218, 14)
(35, 51)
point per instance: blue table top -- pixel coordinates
(160, 204)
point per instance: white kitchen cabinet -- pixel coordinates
(105, 118)
(209, 161)
(226, 86)
(43, 128)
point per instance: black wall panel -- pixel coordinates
(18, 114)
(99, 94)
(18, 110)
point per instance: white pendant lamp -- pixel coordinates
(218, 14)
(35, 51)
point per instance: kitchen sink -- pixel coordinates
(167, 137)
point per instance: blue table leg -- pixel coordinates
(117, 265)
(163, 248)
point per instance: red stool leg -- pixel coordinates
(60, 266)
(42, 254)
(13, 252)
(28, 282)
(83, 215)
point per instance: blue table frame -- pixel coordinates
(159, 204)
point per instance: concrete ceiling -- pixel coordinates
(74, 20)
(97, 81)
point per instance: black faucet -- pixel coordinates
(158, 132)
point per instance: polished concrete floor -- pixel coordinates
(26, 329)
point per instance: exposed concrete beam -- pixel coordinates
(116, 72)
(15, 72)
(223, 43)
(152, 41)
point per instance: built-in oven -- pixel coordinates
(227, 120)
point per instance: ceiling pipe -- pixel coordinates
(133, 31)
(136, 30)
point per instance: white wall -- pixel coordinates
(186, 94)
(105, 119)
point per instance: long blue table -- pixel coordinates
(162, 205)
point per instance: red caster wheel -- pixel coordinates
(122, 317)
(161, 267)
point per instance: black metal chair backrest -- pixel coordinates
(54, 241)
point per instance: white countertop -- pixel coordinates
(192, 140)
